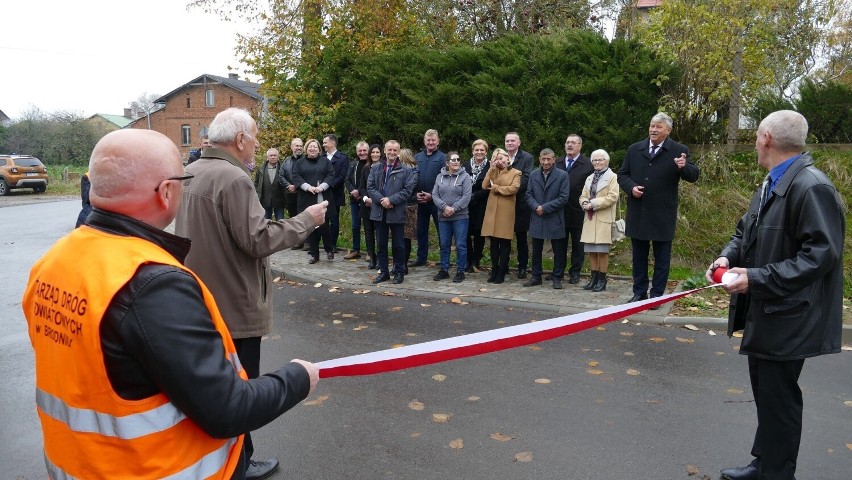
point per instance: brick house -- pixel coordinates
(186, 111)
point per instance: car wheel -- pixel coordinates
(39, 189)
(4, 189)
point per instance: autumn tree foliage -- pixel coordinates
(729, 52)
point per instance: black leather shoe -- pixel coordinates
(522, 273)
(398, 278)
(557, 284)
(636, 298)
(533, 281)
(749, 472)
(314, 259)
(417, 264)
(441, 275)
(372, 265)
(459, 277)
(548, 277)
(383, 277)
(574, 279)
(259, 470)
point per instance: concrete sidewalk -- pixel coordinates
(293, 265)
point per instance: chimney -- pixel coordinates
(233, 76)
(127, 113)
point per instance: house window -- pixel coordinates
(231, 101)
(187, 102)
(203, 132)
(209, 100)
(185, 136)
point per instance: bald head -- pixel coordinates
(127, 170)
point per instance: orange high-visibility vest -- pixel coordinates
(89, 431)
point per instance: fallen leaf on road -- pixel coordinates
(542, 381)
(335, 314)
(441, 417)
(738, 334)
(397, 345)
(472, 399)
(415, 434)
(657, 339)
(711, 333)
(389, 294)
(601, 329)
(594, 371)
(410, 334)
(692, 470)
(292, 302)
(849, 446)
(456, 300)
(592, 363)
(348, 315)
(457, 444)
(848, 403)
(734, 390)
(438, 377)
(334, 289)
(271, 337)
(319, 400)
(317, 285)
(337, 322)
(395, 309)
(524, 457)
(483, 289)
(629, 354)
(500, 437)
(625, 321)
(691, 327)
(276, 279)
(626, 334)
(534, 348)
(425, 305)
(360, 292)
(632, 371)
(685, 340)
(416, 405)
(359, 328)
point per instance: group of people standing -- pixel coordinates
(570, 200)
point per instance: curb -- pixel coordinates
(716, 323)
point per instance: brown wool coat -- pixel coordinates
(499, 218)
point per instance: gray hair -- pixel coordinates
(547, 151)
(788, 129)
(228, 124)
(662, 117)
(600, 153)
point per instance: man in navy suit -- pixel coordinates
(523, 161)
(650, 175)
(579, 167)
(340, 164)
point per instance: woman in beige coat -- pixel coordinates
(599, 199)
(502, 183)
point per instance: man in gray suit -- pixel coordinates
(546, 195)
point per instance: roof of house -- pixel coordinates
(3, 116)
(119, 121)
(648, 3)
(248, 88)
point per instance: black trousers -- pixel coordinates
(500, 248)
(558, 247)
(662, 262)
(775, 385)
(572, 239)
(248, 351)
(523, 250)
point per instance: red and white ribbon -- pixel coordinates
(454, 348)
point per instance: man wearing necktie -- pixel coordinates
(650, 175)
(579, 167)
(787, 250)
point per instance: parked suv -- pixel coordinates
(22, 171)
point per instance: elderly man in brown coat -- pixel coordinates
(231, 241)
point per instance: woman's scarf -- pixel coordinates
(593, 188)
(476, 169)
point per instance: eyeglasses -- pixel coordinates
(598, 160)
(184, 177)
(454, 159)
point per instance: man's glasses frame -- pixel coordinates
(181, 178)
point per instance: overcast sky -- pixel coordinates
(96, 56)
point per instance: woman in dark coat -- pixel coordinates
(313, 176)
(476, 168)
(375, 156)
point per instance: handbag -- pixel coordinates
(619, 226)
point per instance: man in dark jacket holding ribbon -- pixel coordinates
(787, 251)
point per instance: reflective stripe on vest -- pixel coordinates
(207, 466)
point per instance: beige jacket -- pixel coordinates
(599, 229)
(221, 214)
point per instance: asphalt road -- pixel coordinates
(624, 401)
